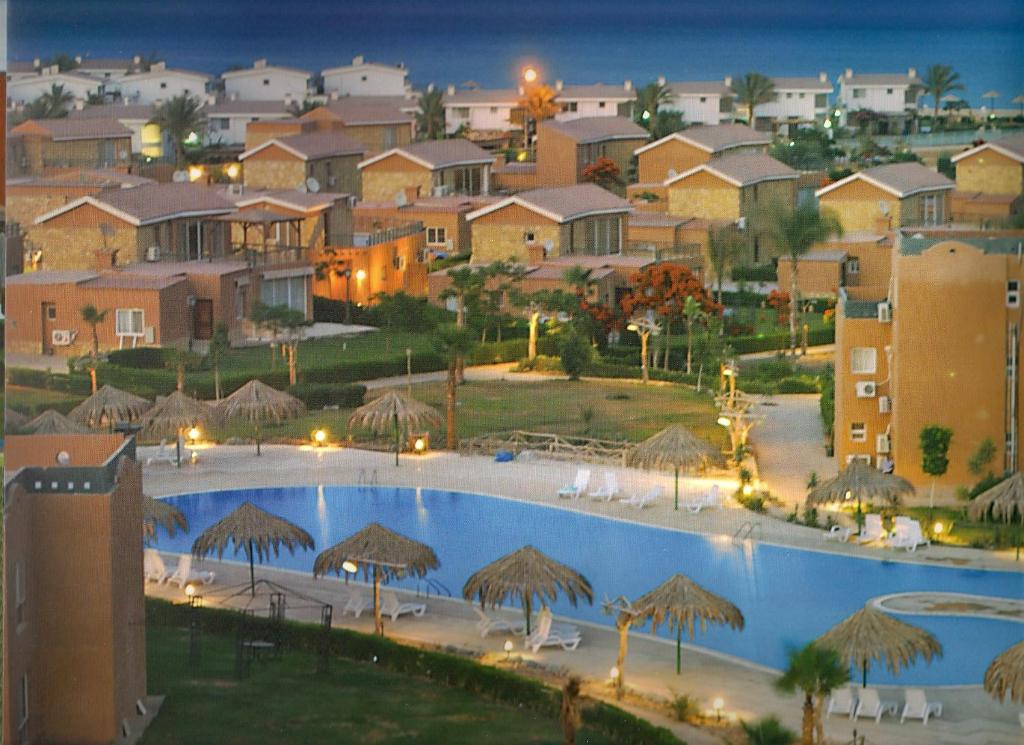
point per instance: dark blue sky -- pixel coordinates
(577, 40)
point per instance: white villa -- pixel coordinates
(162, 83)
(363, 78)
(891, 94)
(263, 82)
(702, 102)
(28, 87)
(798, 101)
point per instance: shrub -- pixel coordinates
(321, 395)
(799, 384)
(756, 273)
(985, 484)
(684, 706)
(146, 358)
(768, 731)
(575, 353)
(811, 517)
(540, 363)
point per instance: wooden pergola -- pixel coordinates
(262, 220)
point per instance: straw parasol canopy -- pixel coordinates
(256, 403)
(1003, 501)
(14, 420)
(860, 480)
(108, 405)
(1005, 676)
(523, 574)
(254, 531)
(870, 635)
(675, 447)
(52, 422)
(174, 413)
(160, 512)
(682, 602)
(394, 412)
(380, 553)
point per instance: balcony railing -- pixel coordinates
(368, 231)
(257, 255)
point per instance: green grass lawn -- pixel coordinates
(316, 353)
(36, 400)
(285, 701)
(604, 409)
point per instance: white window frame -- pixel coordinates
(858, 432)
(440, 236)
(866, 367)
(931, 209)
(852, 265)
(119, 314)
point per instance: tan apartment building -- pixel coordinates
(434, 168)
(42, 146)
(74, 639)
(989, 181)
(31, 196)
(380, 123)
(529, 227)
(901, 349)
(321, 160)
(566, 148)
(733, 188)
(444, 218)
(852, 260)
(889, 197)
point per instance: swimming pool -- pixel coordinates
(788, 596)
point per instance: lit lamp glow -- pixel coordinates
(509, 646)
(938, 528)
(718, 704)
(349, 566)
(319, 437)
(747, 490)
(190, 590)
(530, 75)
(614, 673)
(360, 274)
(194, 434)
(724, 421)
(232, 171)
(195, 173)
(420, 445)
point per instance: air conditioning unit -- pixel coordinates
(61, 337)
(884, 312)
(882, 443)
(866, 389)
(884, 404)
(441, 191)
(153, 253)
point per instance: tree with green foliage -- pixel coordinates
(693, 312)
(725, 247)
(934, 443)
(266, 317)
(939, 81)
(94, 317)
(666, 122)
(815, 671)
(982, 457)
(649, 101)
(794, 231)
(220, 343)
(179, 118)
(574, 352)
(53, 104)
(64, 62)
(430, 114)
(752, 90)
(807, 149)
(454, 342)
(768, 731)
(294, 324)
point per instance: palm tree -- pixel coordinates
(220, 343)
(94, 317)
(466, 287)
(940, 80)
(54, 103)
(816, 671)
(753, 89)
(649, 99)
(569, 712)
(580, 278)
(430, 115)
(693, 312)
(725, 246)
(539, 104)
(768, 731)
(179, 117)
(63, 61)
(794, 232)
(454, 342)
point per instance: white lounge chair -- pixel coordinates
(357, 602)
(390, 606)
(712, 499)
(579, 486)
(164, 454)
(547, 635)
(183, 573)
(842, 701)
(837, 533)
(872, 530)
(908, 535)
(917, 706)
(486, 624)
(643, 500)
(153, 566)
(609, 491)
(869, 705)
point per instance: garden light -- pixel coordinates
(194, 434)
(361, 274)
(190, 590)
(939, 527)
(747, 490)
(349, 566)
(614, 673)
(232, 171)
(724, 421)
(509, 646)
(195, 173)
(718, 704)
(320, 436)
(420, 445)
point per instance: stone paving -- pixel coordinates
(969, 716)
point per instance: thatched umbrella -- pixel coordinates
(1005, 676)
(256, 402)
(870, 635)
(394, 411)
(160, 512)
(253, 531)
(110, 404)
(52, 422)
(380, 553)
(175, 413)
(1004, 501)
(674, 447)
(14, 420)
(682, 602)
(860, 480)
(523, 574)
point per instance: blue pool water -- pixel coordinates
(788, 596)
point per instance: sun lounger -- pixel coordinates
(486, 624)
(183, 573)
(917, 706)
(710, 500)
(609, 491)
(869, 705)
(579, 486)
(643, 500)
(548, 635)
(842, 701)
(358, 601)
(153, 565)
(390, 606)
(872, 530)
(164, 454)
(907, 535)
(837, 533)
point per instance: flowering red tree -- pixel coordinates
(779, 300)
(602, 172)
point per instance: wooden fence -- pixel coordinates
(549, 446)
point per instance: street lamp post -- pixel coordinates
(347, 274)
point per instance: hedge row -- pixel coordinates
(740, 344)
(321, 395)
(450, 670)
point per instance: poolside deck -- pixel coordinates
(969, 716)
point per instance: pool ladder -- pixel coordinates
(745, 531)
(431, 584)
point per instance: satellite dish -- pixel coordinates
(312, 184)
(400, 200)
(180, 177)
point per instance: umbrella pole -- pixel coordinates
(257, 438)
(677, 489)
(398, 439)
(252, 572)
(864, 674)
(526, 605)
(177, 448)
(378, 623)
(679, 649)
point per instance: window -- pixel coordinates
(858, 93)
(23, 718)
(363, 78)
(789, 95)
(436, 236)
(163, 86)
(1013, 293)
(858, 432)
(600, 104)
(757, 250)
(803, 96)
(19, 594)
(494, 109)
(290, 291)
(241, 302)
(462, 112)
(194, 241)
(219, 123)
(570, 106)
(888, 91)
(398, 263)
(51, 312)
(910, 95)
(853, 265)
(703, 99)
(266, 81)
(863, 360)
(390, 137)
(130, 322)
(528, 237)
(820, 100)
(931, 209)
